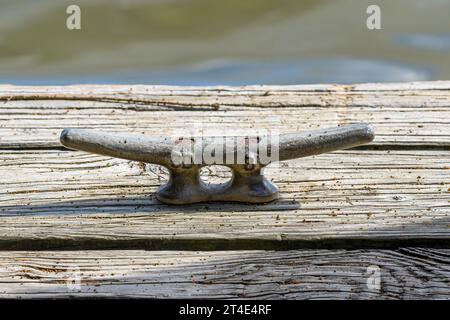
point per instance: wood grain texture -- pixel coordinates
(407, 115)
(64, 199)
(393, 193)
(408, 273)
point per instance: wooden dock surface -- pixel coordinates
(81, 225)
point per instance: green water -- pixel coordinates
(223, 42)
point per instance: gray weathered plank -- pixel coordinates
(412, 115)
(406, 273)
(55, 199)
(350, 199)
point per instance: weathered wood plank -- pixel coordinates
(64, 199)
(406, 273)
(414, 115)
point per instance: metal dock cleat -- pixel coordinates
(245, 156)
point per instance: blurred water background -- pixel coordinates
(232, 42)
